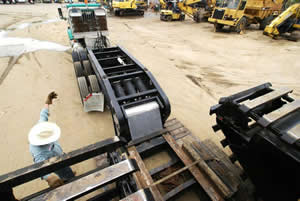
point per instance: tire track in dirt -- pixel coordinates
(12, 61)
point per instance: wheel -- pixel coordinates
(83, 54)
(75, 56)
(142, 13)
(83, 88)
(265, 22)
(78, 69)
(121, 13)
(94, 84)
(197, 16)
(182, 17)
(218, 27)
(241, 25)
(169, 18)
(87, 67)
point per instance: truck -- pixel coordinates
(239, 14)
(140, 111)
(87, 29)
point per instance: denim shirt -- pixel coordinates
(44, 152)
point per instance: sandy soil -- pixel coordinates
(194, 66)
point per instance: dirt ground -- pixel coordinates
(194, 66)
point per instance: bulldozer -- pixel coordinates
(126, 7)
(196, 9)
(287, 21)
(239, 14)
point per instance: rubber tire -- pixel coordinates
(169, 18)
(141, 13)
(94, 84)
(87, 68)
(75, 56)
(83, 55)
(242, 22)
(83, 88)
(78, 69)
(197, 16)
(265, 22)
(182, 17)
(218, 27)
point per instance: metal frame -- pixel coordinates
(255, 123)
(108, 72)
(89, 183)
(26, 174)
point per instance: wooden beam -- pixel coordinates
(224, 190)
(201, 178)
(143, 175)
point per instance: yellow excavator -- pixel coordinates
(126, 7)
(287, 21)
(196, 9)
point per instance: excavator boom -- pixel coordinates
(285, 22)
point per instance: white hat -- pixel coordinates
(44, 133)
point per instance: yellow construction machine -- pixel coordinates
(126, 7)
(238, 14)
(196, 9)
(287, 21)
(170, 11)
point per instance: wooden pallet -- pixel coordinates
(207, 165)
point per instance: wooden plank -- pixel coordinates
(143, 175)
(215, 158)
(212, 192)
(170, 121)
(224, 190)
(89, 183)
(267, 119)
(251, 104)
(37, 170)
(179, 189)
(219, 162)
